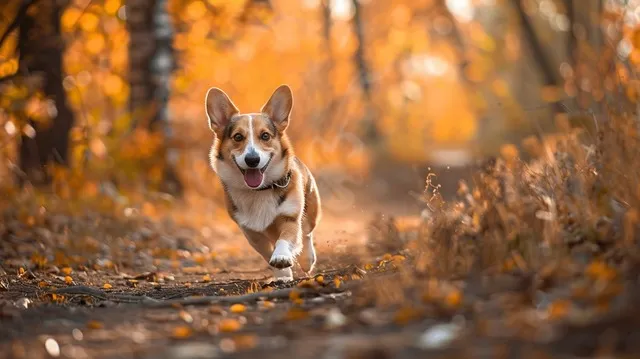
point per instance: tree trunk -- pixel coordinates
(370, 126)
(151, 61)
(549, 75)
(41, 48)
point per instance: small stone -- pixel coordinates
(334, 319)
(23, 303)
(52, 347)
(439, 336)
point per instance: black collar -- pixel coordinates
(281, 183)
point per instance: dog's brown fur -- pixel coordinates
(278, 217)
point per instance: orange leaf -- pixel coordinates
(206, 278)
(453, 299)
(94, 324)
(181, 332)
(336, 282)
(238, 308)
(293, 295)
(229, 325)
(558, 309)
(296, 313)
(66, 270)
(267, 305)
(68, 280)
(107, 286)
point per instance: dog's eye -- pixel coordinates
(265, 136)
(238, 137)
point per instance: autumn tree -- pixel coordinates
(45, 138)
(151, 63)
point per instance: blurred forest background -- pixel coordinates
(104, 98)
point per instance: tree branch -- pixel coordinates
(22, 12)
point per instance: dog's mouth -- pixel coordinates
(253, 177)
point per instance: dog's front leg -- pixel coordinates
(289, 243)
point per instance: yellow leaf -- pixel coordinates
(320, 279)
(66, 270)
(229, 325)
(68, 280)
(238, 308)
(206, 278)
(368, 266)
(181, 332)
(107, 286)
(336, 282)
(42, 284)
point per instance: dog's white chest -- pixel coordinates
(256, 210)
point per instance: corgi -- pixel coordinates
(269, 192)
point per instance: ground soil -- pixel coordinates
(109, 302)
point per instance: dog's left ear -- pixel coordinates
(278, 108)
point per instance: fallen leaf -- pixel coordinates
(336, 282)
(453, 299)
(246, 341)
(296, 313)
(185, 316)
(107, 286)
(267, 304)
(406, 315)
(229, 325)
(68, 280)
(238, 308)
(181, 332)
(558, 309)
(94, 324)
(216, 309)
(206, 278)
(320, 279)
(66, 270)
(308, 283)
(294, 295)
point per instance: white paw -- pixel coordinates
(282, 256)
(285, 275)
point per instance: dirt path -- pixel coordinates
(39, 322)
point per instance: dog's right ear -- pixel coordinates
(219, 108)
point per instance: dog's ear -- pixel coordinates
(219, 109)
(279, 107)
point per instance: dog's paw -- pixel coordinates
(281, 261)
(282, 257)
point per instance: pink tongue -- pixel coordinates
(253, 178)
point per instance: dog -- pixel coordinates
(269, 192)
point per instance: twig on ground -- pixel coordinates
(245, 298)
(97, 293)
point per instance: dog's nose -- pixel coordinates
(252, 159)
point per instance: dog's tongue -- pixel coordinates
(253, 178)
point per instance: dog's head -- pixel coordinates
(251, 149)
